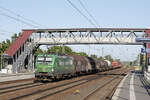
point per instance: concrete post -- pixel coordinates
(16, 64)
(33, 62)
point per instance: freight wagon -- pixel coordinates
(52, 67)
(116, 64)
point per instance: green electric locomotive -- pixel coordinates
(51, 66)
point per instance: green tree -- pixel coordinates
(118, 60)
(8, 42)
(39, 51)
(19, 33)
(60, 49)
(0, 48)
(4, 46)
(94, 56)
(74, 53)
(82, 54)
(68, 50)
(108, 57)
(14, 37)
(101, 58)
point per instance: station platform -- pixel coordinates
(12, 77)
(133, 87)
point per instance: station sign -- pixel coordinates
(143, 50)
(147, 50)
(142, 39)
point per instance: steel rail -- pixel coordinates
(20, 88)
(15, 81)
(109, 95)
(100, 87)
(47, 89)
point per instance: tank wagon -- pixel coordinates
(52, 67)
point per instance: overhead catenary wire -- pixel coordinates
(95, 24)
(2, 30)
(81, 13)
(92, 17)
(19, 20)
(4, 33)
(24, 18)
(122, 51)
(75, 7)
(102, 49)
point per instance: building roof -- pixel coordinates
(18, 42)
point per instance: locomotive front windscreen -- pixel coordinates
(40, 60)
(44, 60)
(48, 60)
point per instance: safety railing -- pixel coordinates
(147, 76)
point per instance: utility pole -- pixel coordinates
(63, 49)
(89, 51)
(102, 51)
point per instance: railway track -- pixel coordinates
(109, 95)
(106, 80)
(41, 91)
(103, 87)
(9, 86)
(15, 81)
(51, 92)
(18, 87)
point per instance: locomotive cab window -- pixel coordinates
(40, 60)
(48, 60)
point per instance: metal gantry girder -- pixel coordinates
(90, 29)
(89, 36)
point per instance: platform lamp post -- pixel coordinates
(1, 59)
(146, 59)
(102, 51)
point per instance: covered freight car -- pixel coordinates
(80, 64)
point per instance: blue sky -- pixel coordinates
(59, 14)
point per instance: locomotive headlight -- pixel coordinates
(52, 70)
